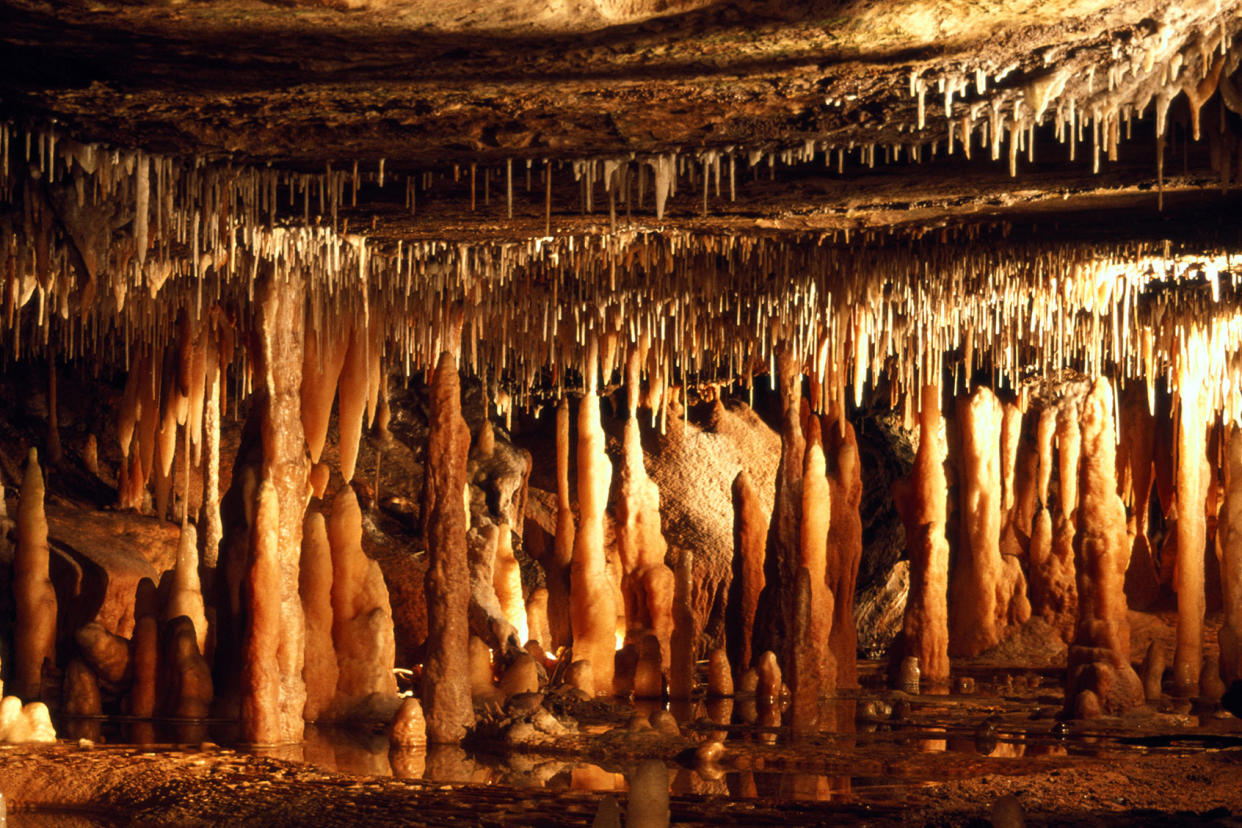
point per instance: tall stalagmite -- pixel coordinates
(186, 595)
(33, 595)
(280, 298)
(1229, 548)
(260, 705)
(213, 528)
(776, 604)
(592, 610)
(563, 543)
(844, 551)
(1192, 484)
(819, 671)
(750, 531)
(681, 659)
(922, 502)
(446, 669)
(974, 611)
(1099, 676)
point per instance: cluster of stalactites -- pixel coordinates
(113, 254)
(1099, 95)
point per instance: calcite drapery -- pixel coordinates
(446, 682)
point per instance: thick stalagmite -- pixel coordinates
(315, 586)
(681, 658)
(1192, 480)
(922, 502)
(563, 543)
(1099, 676)
(186, 595)
(776, 604)
(1053, 590)
(362, 632)
(975, 613)
(818, 669)
(592, 610)
(750, 531)
(1229, 548)
(260, 707)
(640, 543)
(446, 670)
(33, 595)
(285, 467)
(844, 550)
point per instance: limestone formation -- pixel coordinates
(107, 654)
(361, 618)
(33, 595)
(537, 618)
(321, 370)
(681, 658)
(845, 544)
(487, 618)
(319, 668)
(260, 701)
(750, 530)
(805, 669)
(817, 671)
(1099, 659)
(1192, 483)
(80, 695)
(351, 401)
(446, 669)
(921, 502)
(719, 674)
(144, 660)
(185, 596)
(1229, 548)
(558, 568)
(408, 728)
(649, 669)
(1053, 590)
(521, 676)
(188, 690)
(507, 583)
(593, 612)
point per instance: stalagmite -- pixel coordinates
(1099, 658)
(775, 610)
(351, 401)
(1053, 589)
(81, 696)
(976, 615)
(144, 661)
(593, 614)
(260, 708)
(649, 669)
(408, 728)
(719, 674)
(446, 671)
(319, 668)
(487, 618)
(805, 668)
(750, 530)
(214, 530)
(188, 688)
(537, 618)
(186, 595)
(1229, 548)
(845, 544)
(33, 596)
(659, 590)
(563, 544)
(1192, 474)
(362, 632)
(507, 581)
(921, 501)
(681, 656)
(818, 670)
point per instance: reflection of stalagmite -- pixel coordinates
(1192, 479)
(1229, 548)
(563, 544)
(844, 552)
(750, 530)
(315, 586)
(921, 499)
(1099, 672)
(593, 613)
(446, 669)
(816, 673)
(34, 598)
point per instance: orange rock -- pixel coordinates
(34, 638)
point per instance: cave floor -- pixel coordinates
(886, 758)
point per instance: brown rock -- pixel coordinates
(260, 699)
(681, 659)
(1192, 484)
(521, 676)
(750, 530)
(844, 550)
(34, 639)
(408, 728)
(446, 671)
(319, 667)
(558, 568)
(80, 694)
(719, 674)
(185, 596)
(1229, 548)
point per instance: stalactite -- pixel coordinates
(593, 614)
(1100, 677)
(321, 370)
(921, 501)
(352, 400)
(446, 668)
(33, 596)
